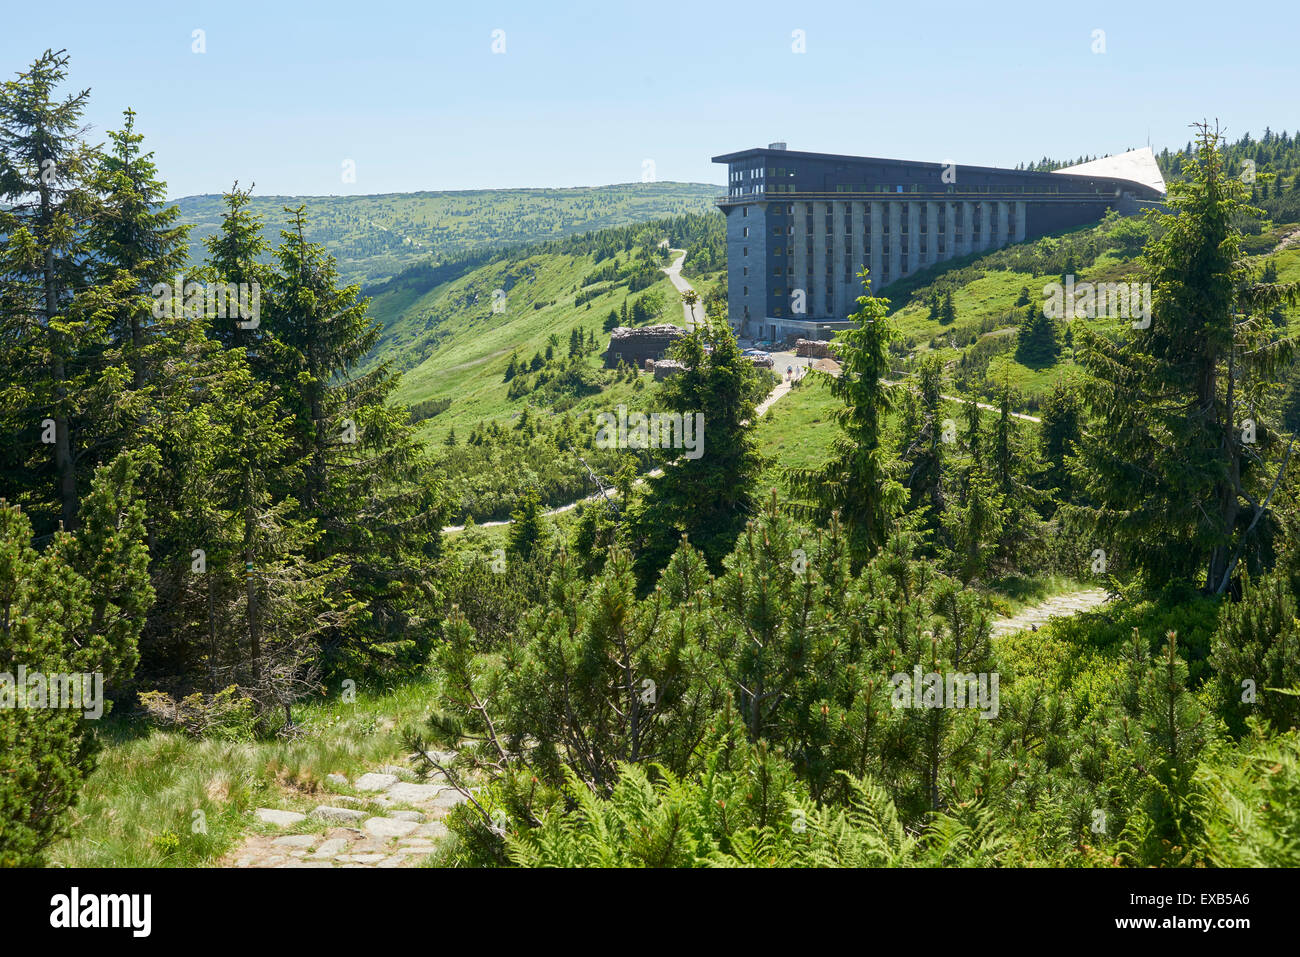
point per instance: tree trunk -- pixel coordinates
(254, 627)
(137, 359)
(63, 462)
(1228, 504)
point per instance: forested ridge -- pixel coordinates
(374, 237)
(745, 657)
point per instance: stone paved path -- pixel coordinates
(1057, 606)
(391, 821)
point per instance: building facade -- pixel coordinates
(800, 226)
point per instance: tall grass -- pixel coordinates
(162, 799)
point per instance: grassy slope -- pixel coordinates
(990, 298)
(374, 237)
(467, 365)
(138, 807)
(796, 431)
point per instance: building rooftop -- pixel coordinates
(1136, 166)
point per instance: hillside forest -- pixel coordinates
(262, 523)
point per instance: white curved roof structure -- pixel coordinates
(1136, 166)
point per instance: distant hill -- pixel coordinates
(375, 237)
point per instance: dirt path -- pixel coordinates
(981, 405)
(693, 316)
(782, 389)
(1290, 239)
(992, 408)
(1061, 606)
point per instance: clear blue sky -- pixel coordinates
(412, 93)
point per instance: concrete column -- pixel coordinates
(946, 234)
(1020, 222)
(986, 225)
(895, 239)
(931, 233)
(877, 243)
(906, 232)
(839, 254)
(914, 261)
(817, 294)
(860, 252)
(799, 260)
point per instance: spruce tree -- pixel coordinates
(137, 234)
(1174, 730)
(236, 256)
(923, 449)
(1061, 413)
(289, 598)
(363, 477)
(57, 405)
(706, 495)
(1037, 344)
(948, 312)
(173, 367)
(1014, 460)
(975, 523)
(1177, 475)
(858, 481)
(528, 533)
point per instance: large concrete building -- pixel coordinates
(801, 225)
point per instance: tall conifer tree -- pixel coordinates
(58, 400)
(1173, 465)
(858, 481)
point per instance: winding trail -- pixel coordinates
(1058, 606)
(692, 315)
(981, 405)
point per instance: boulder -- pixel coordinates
(279, 818)
(375, 782)
(338, 813)
(387, 827)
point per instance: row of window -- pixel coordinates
(897, 188)
(958, 235)
(886, 250)
(903, 209)
(941, 231)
